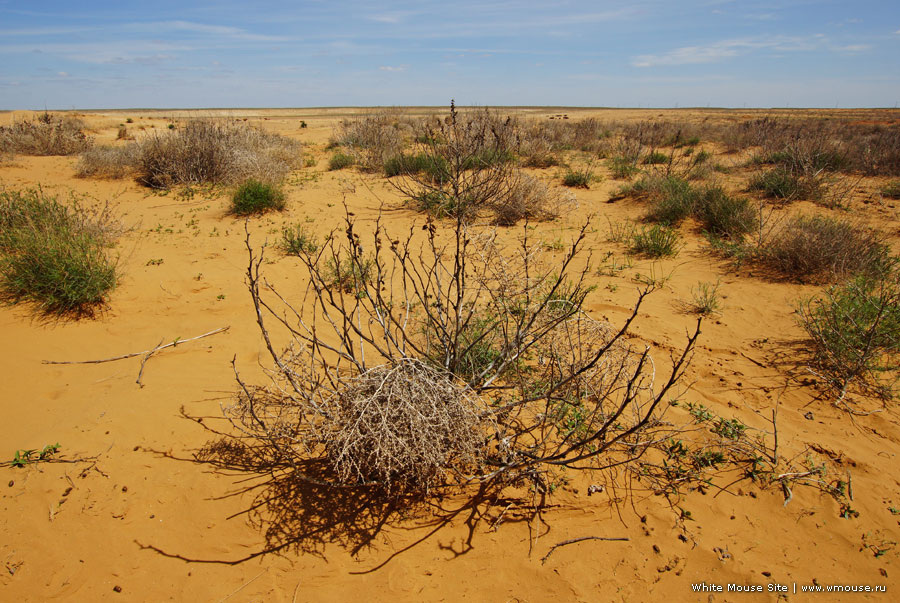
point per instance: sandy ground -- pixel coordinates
(134, 517)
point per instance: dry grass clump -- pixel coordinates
(109, 162)
(406, 425)
(821, 248)
(819, 144)
(374, 139)
(47, 134)
(529, 198)
(215, 153)
(203, 152)
(539, 137)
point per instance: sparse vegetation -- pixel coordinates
(578, 178)
(656, 241)
(255, 197)
(855, 332)
(201, 152)
(46, 134)
(55, 255)
(891, 190)
(529, 198)
(821, 248)
(350, 273)
(297, 240)
(705, 299)
(340, 161)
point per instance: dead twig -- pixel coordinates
(575, 540)
(144, 361)
(146, 353)
(244, 585)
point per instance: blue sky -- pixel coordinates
(120, 54)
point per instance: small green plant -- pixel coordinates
(578, 178)
(220, 297)
(436, 168)
(622, 167)
(298, 240)
(672, 199)
(855, 334)
(437, 203)
(731, 429)
(655, 158)
(27, 457)
(155, 262)
(705, 299)
(725, 216)
(255, 197)
(891, 190)
(129, 121)
(700, 412)
(340, 161)
(350, 274)
(784, 183)
(656, 241)
(302, 124)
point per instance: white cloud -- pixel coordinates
(852, 48)
(62, 74)
(392, 68)
(725, 49)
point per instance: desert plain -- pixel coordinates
(130, 508)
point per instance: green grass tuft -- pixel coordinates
(54, 255)
(340, 161)
(255, 197)
(656, 241)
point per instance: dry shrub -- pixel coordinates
(822, 248)
(109, 162)
(46, 134)
(807, 144)
(215, 153)
(539, 137)
(467, 163)
(459, 357)
(529, 198)
(374, 139)
(405, 425)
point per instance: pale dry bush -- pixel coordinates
(46, 134)
(530, 198)
(405, 425)
(461, 360)
(373, 139)
(109, 162)
(825, 249)
(203, 152)
(206, 152)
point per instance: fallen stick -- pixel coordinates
(133, 354)
(144, 362)
(573, 541)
